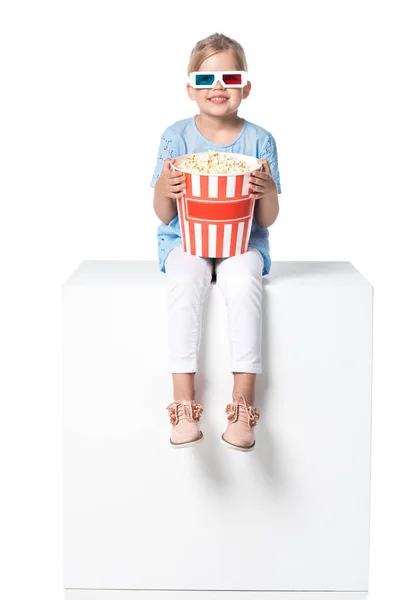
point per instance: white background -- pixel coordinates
(87, 88)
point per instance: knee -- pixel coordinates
(241, 273)
(196, 273)
(240, 281)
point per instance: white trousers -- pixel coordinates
(240, 281)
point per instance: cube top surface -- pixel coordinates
(131, 272)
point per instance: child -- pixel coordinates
(217, 127)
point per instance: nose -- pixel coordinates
(219, 84)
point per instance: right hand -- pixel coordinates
(171, 184)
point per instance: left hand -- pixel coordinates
(261, 182)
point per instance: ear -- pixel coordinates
(190, 91)
(246, 90)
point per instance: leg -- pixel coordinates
(240, 281)
(189, 279)
(183, 386)
(244, 383)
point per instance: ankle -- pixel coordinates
(186, 398)
(247, 395)
(183, 386)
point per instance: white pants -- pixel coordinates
(240, 281)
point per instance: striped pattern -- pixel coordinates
(215, 215)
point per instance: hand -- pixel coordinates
(261, 182)
(171, 184)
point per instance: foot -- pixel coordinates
(184, 416)
(242, 419)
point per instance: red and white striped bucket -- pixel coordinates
(216, 212)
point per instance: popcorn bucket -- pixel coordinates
(216, 211)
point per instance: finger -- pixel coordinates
(258, 189)
(176, 195)
(167, 163)
(264, 164)
(259, 185)
(177, 175)
(179, 186)
(177, 181)
(258, 175)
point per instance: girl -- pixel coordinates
(217, 127)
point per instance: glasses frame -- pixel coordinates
(218, 77)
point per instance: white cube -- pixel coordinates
(293, 515)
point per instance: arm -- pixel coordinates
(266, 185)
(164, 207)
(168, 184)
(266, 209)
(168, 188)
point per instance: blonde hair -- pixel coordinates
(217, 42)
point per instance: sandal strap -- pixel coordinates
(184, 409)
(242, 411)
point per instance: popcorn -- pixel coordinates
(216, 163)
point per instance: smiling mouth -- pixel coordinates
(218, 99)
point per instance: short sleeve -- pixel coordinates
(270, 153)
(168, 149)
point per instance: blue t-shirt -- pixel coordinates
(183, 137)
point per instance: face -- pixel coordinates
(218, 101)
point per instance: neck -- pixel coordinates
(218, 123)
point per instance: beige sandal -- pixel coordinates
(184, 416)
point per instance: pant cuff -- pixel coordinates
(183, 367)
(255, 368)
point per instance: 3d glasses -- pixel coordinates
(208, 79)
